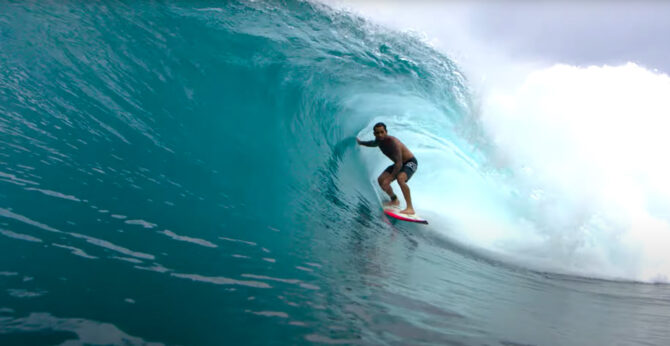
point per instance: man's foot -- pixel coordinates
(408, 211)
(392, 203)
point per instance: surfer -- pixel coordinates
(403, 167)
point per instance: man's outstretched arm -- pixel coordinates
(367, 143)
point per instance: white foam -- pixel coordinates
(586, 150)
(21, 236)
(197, 241)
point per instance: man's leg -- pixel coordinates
(384, 181)
(402, 181)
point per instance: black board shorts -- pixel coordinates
(409, 167)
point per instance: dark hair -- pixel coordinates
(380, 124)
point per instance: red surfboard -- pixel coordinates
(395, 213)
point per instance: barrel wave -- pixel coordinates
(172, 171)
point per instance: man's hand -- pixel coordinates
(358, 141)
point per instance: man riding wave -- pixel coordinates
(403, 167)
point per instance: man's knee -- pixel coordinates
(402, 179)
(384, 179)
(384, 184)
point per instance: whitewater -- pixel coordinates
(187, 173)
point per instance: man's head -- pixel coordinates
(379, 130)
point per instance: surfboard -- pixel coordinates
(394, 212)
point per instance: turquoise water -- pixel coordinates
(186, 173)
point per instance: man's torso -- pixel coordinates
(389, 146)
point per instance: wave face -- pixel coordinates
(194, 168)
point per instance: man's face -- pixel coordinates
(379, 132)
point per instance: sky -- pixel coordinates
(539, 32)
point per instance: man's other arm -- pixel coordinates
(397, 159)
(367, 143)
